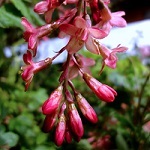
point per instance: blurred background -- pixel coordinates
(123, 124)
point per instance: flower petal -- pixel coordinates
(41, 7)
(27, 25)
(79, 22)
(68, 29)
(97, 33)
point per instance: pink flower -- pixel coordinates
(49, 122)
(60, 130)
(53, 102)
(32, 34)
(81, 32)
(31, 68)
(83, 62)
(100, 11)
(75, 121)
(47, 7)
(68, 135)
(103, 91)
(86, 108)
(115, 21)
(109, 56)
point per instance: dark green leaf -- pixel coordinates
(121, 143)
(9, 20)
(22, 8)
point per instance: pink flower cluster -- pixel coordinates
(60, 108)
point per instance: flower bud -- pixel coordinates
(49, 122)
(86, 108)
(68, 135)
(60, 130)
(53, 102)
(75, 121)
(104, 92)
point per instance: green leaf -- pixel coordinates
(36, 18)
(9, 139)
(9, 20)
(22, 8)
(121, 143)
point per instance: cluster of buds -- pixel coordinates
(83, 29)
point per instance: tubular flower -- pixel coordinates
(86, 108)
(99, 11)
(75, 121)
(109, 56)
(83, 62)
(81, 32)
(84, 28)
(60, 130)
(47, 7)
(32, 35)
(115, 21)
(104, 92)
(32, 68)
(53, 102)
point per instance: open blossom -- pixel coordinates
(75, 121)
(100, 11)
(103, 91)
(83, 62)
(32, 34)
(53, 102)
(81, 32)
(86, 108)
(109, 55)
(31, 68)
(116, 21)
(47, 7)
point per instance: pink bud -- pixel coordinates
(60, 131)
(86, 108)
(104, 92)
(49, 122)
(53, 102)
(68, 135)
(75, 121)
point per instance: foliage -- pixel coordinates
(20, 112)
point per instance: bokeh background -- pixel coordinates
(123, 124)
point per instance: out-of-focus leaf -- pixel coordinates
(37, 20)
(121, 142)
(84, 145)
(22, 8)
(42, 147)
(9, 20)
(9, 138)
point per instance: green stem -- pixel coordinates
(140, 98)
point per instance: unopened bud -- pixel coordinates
(49, 122)
(60, 130)
(75, 121)
(53, 102)
(86, 109)
(104, 92)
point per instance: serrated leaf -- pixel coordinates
(9, 20)
(22, 8)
